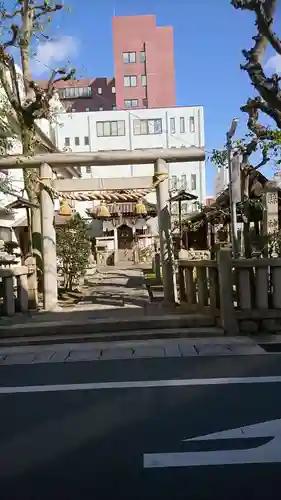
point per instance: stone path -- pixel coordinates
(112, 292)
(65, 353)
(111, 288)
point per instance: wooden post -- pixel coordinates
(49, 255)
(228, 319)
(166, 243)
(115, 234)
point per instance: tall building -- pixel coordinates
(143, 56)
(143, 63)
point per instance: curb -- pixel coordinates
(138, 335)
(103, 325)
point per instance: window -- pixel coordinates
(142, 57)
(100, 108)
(129, 57)
(100, 90)
(182, 125)
(183, 182)
(87, 109)
(86, 140)
(67, 141)
(75, 92)
(148, 127)
(130, 81)
(131, 103)
(174, 209)
(109, 129)
(145, 103)
(143, 80)
(88, 170)
(172, 125)
(77, 141)
(184, 208)
(113, 90)
(73, 110)
(193, 182)
(174, 182)
(191, 124)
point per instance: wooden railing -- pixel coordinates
(257, 288)
(14, 289)
(234, 290)
(199, 285)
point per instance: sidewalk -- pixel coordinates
(116, 301)
(65, 353)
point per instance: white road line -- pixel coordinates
(97, 386)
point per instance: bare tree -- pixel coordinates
(25, 24)
(269, 99)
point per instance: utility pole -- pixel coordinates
(232, 202)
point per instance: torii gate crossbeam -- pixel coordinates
(110, 158)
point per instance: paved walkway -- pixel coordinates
(116, 300)
(112, 293)
(65, 353)
(116, 288)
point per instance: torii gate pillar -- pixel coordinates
(49, 254)
(164, 224)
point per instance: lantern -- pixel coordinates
(102, 211)
(140, 208)
(65, 210)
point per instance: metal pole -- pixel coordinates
(232, 204)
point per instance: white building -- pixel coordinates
(136, 130)
(45, 133)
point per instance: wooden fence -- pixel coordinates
(232, 290)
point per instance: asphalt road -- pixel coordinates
(98, 441)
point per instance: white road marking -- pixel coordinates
(269, 452)
(139, 384)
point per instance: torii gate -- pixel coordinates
(158, 157)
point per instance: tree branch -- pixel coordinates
(39, 108)
(9, 15)
(268, 88)
(46, 9)
(65, 76)
(12, 41)
(263, 162)
(253, 107)
(264, 24)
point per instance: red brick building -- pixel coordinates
(143, 63)
(144, 70)
(86, 94)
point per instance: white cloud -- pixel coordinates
(274, 63)
(53, 53)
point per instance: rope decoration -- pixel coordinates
(124, 195)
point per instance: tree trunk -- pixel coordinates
(32, 188)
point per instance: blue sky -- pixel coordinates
(208, 38)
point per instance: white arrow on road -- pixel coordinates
(269, 452)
